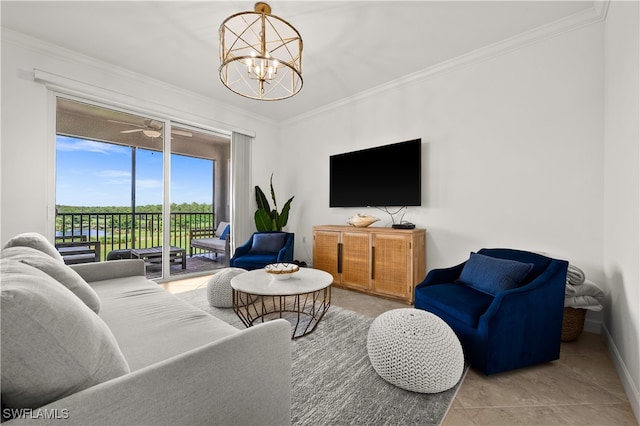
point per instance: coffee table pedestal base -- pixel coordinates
(304, 311)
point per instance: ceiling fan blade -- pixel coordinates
(124, 122)
(181, 133)
(132, 131)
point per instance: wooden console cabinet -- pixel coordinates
(382, 261)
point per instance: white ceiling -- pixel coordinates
(349, 46)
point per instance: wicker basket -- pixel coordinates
(572, 323)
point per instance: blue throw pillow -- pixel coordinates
(225, 233)
(267, 243)
(492, 275)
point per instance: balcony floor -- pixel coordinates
(195, 264)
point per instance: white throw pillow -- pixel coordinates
(36, 241)
(220, 229)
(56, 270)
(53, 345)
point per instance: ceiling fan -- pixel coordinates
(151, 128)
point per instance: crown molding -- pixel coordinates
(68, 83)
(596, 13)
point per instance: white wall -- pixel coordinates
(27, 175)
(622, 189)
(513, 150)
(512, 153)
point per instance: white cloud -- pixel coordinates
(148, 183)
(114, 174)
(68, 144)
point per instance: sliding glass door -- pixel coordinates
(111, 187)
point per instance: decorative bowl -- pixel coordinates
(281, 271)
(361, 220)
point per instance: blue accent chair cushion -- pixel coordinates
(511, 328)
(492, 275)
(266, 252)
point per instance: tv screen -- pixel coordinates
(384, 176)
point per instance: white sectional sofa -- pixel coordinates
(99, 344)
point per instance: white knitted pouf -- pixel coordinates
(219, 291)
(415, 350)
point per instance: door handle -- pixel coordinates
(373, 262)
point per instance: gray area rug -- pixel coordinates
(333, 382)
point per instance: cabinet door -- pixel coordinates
(325, 252)
(356, 260)
(392, 265)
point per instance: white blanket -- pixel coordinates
(584, 296)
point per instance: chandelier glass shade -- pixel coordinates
(260, 55)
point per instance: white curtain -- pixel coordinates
(242, 209)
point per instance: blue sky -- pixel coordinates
(90, 173)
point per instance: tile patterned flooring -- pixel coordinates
(581, 388)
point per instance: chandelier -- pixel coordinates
(260, 55)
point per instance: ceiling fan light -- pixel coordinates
(260, 55)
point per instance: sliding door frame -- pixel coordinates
(55, 92)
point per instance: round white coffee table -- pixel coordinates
(302, 299)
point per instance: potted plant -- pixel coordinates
(267, 219)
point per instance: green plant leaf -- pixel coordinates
(263, 220)
(266, 218)
(273, 193)
(261, 200)
(284, 214)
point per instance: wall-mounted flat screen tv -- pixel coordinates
(384, 176)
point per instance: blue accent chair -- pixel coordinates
(262, 249)
(500, 328)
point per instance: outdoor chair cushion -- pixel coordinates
(220, 230)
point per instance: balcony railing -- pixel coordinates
(125, 231)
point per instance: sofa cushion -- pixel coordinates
(53, 345)
(57, 270)
(255, 261)
(151, 325)
(267, 243)
(492, 274)
(36, 241)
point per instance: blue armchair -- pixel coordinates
(505, 306)
(262, 249)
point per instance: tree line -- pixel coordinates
(149, 208)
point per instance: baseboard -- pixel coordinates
(593, 326)
(625, 376)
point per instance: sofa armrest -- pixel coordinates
(531, 313)
(244, 248)
(544, 293)
(442, 275)
(100, 271)
(242, 379)
(285, 254)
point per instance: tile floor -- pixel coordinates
(581, 388)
